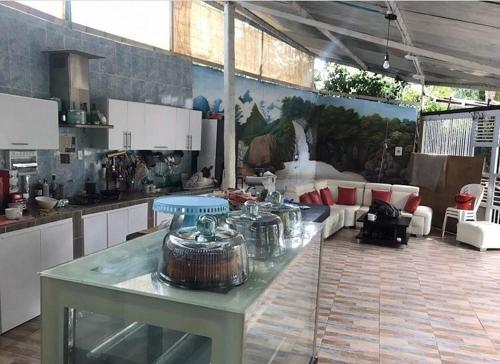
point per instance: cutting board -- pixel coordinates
(4, 221)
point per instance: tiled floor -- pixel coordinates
(429, 302)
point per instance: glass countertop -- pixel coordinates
(131, 267)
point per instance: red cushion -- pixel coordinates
(326, 196)
(381, 195)
(347, 196)
(305, 198)
(315, 198)
(412, 203)
(465, 201)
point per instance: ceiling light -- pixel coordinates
(389, 16)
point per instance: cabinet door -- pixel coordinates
(117, 227)
(195, 129)
(137, 218)
(28, 123)
(182, 130)
(160, 127)
(19, 280)
(135, 122)
(95, 233)
(56, 243)
(117, 116)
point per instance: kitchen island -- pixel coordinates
(110, 307)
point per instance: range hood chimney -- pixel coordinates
(69, 77)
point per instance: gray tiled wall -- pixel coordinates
(126, 72)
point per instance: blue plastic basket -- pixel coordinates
(191, 207)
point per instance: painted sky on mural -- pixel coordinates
(209, 83)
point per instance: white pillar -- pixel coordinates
(229, 98)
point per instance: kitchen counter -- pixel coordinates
(76, 211)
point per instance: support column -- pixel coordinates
(229, 98)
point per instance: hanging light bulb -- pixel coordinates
(389, 16)
(386, 64)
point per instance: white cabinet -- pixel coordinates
(160, 125)
(106, 229)
(117, 226)
(117, 116)
(28, 123)
(188, 130)
(135, 125)
(56, 243)
(19, 281)
(23, 254)
(137, 218)
(152, 127)
(95, 232)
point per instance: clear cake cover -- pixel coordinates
(204, 257)
(263, 231)
(290, 215)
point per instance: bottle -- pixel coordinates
(39, 188)
(53, 187)
(45, 188)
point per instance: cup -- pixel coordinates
(13, 213)
(371, 217)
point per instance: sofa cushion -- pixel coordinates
(347, 196)
(412, 203)
(369, 187)
(349, 213)
(335, 183)
(326, 196)
(315, 198)
(306, 198)
(400, 194)
(381, 195)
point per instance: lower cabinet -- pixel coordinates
(24, 254)
(106, 229)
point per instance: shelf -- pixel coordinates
(86, 126)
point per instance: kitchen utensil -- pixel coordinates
(46, 202)
(290, 215)
(206, 256)
(263, 231)
(12, 213)
(76, 116)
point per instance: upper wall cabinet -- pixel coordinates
(28, 123)
(153, 127)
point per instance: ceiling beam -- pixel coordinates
(330, 36)
(372, 39)
(405, 34)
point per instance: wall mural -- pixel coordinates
(301, 135)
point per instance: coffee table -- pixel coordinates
(385, 231)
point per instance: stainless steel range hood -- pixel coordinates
(69, 77)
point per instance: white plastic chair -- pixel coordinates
(475, 190)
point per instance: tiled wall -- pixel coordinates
(126, 72)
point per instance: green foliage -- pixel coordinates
(361, 83)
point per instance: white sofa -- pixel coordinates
(346, 216)
(481, 234)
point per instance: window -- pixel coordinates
(145, 21)
(52, 7)
(198, 32)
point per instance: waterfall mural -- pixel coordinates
(300, 135)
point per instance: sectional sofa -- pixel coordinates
(346, 215)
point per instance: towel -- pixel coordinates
(428, 170)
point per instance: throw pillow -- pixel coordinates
(347, 196)
(315, 198)
(412, 203)
(305, 198)
(381, 195)
(326, 196)
(465, 201)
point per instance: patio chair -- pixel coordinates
(475, 190)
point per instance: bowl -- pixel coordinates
(46, 202)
